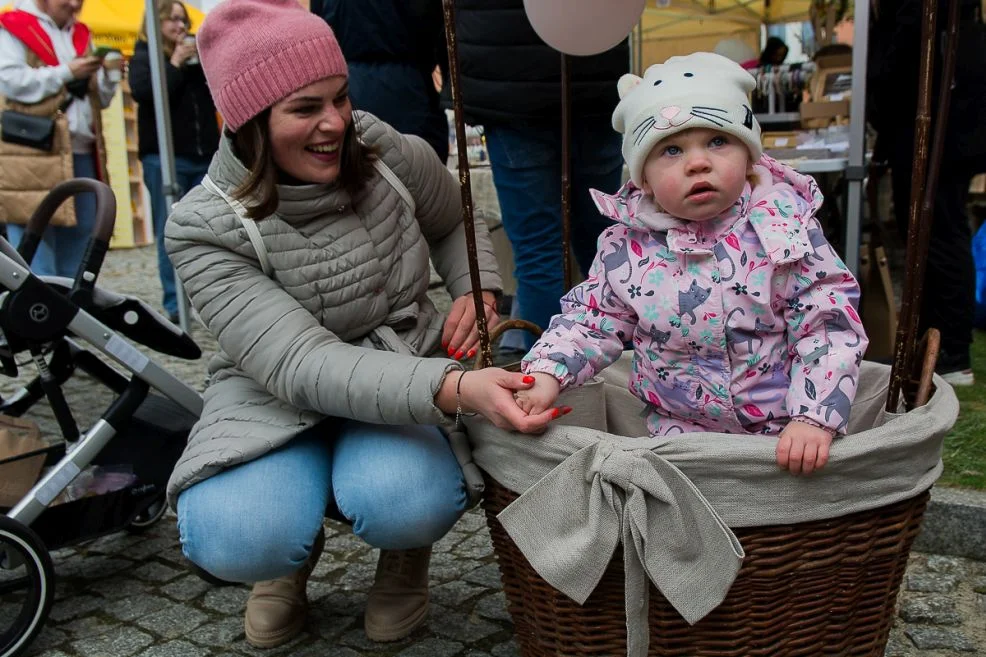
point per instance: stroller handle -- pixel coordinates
(101, 233)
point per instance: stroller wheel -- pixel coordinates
(149, 516)
(27, 586)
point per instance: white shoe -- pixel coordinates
(959, 378)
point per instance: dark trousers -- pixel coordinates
(948, 302)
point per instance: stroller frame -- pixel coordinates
(51, 315)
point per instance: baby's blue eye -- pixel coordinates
(672, 150)
(718, 141)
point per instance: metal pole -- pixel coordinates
(162, 120)
(856, 171)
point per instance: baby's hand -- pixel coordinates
(539, 397)
(803, 448)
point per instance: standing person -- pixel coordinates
(195, 131)
(46, 59)
(321, 392)
(774, 52)
(511, 85)
(772, 348)
(392, 47)
(948, 303)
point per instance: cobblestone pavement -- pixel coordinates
(127, 595)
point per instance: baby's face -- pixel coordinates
(697, 174)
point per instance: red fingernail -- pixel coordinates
(458, 354)
(472, 352)
(555, 413)
(451, 352)
(565, 410)
(528, 379)
(444, 344)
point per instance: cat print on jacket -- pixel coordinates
(737, 322)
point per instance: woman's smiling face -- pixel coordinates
(307, 130)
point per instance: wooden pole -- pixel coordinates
(485, 349)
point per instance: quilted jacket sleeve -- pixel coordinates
(438, 206)
(278, 343)
(825, 338)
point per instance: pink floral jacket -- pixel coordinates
(737, 324)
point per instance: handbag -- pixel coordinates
(27, 130)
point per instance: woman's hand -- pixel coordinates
(490, 392)
(460, 335)
(183, 51)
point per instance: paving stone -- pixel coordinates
(47, 641)
(176, 649)
(325, 649)
(942, 564)
(156, 572)
(329, 622)
(935, 638)
(494, 607)
(75, 607)
(131, 608)
(119, 587)
(981, 602)
(487, 576)
(508, 649)
(979, 584)
(934, 609)
(227, 599)
(186, 588)
(172, 622)
(85, 627)
(897, 647)
(931, 583)
(357, 577)
(46, 653)
(218, 634)
(118, 643)
(460, 627)
(454, 594)
(432, 648)
(356, 639)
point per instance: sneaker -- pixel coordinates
(955, 369)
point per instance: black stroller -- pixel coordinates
(143, 433)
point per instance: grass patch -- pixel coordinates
(964, 454)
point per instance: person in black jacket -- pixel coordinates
(195, 130)
(892, 80)
(511, 85)
(392, 47)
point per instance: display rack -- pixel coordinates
(133, 226)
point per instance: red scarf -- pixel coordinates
(27, 28)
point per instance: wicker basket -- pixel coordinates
(817, 588)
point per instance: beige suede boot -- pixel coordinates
(398, 600)
(277, 609)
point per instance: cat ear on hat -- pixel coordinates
(627, 83)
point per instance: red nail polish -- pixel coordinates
(565, 410)
(451, 352)
(472, 352)
(458, 354)
(528, 379)
(555, 413)
(444, 344)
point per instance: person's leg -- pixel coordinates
(597, 163)
(402, 488)
(71, 241)
(151, 163)
(526, 166)
(259, 520)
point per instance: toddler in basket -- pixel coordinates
(742, 317)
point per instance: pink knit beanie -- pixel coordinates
(256, 52)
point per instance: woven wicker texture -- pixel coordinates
(818, 588)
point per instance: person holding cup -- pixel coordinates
(48, 69)
(194, 128)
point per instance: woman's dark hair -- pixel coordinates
(773, 46)
(259, 191)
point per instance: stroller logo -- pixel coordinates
(39, 312)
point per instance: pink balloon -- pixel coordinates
(583, 27)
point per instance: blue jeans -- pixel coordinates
(61, 248)
(526, 164)
(400, 487)
(188, 174)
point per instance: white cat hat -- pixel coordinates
(701, 90)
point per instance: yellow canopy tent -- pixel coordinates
(116, 23)
(674, 27)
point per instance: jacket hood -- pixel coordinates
(780, 223)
